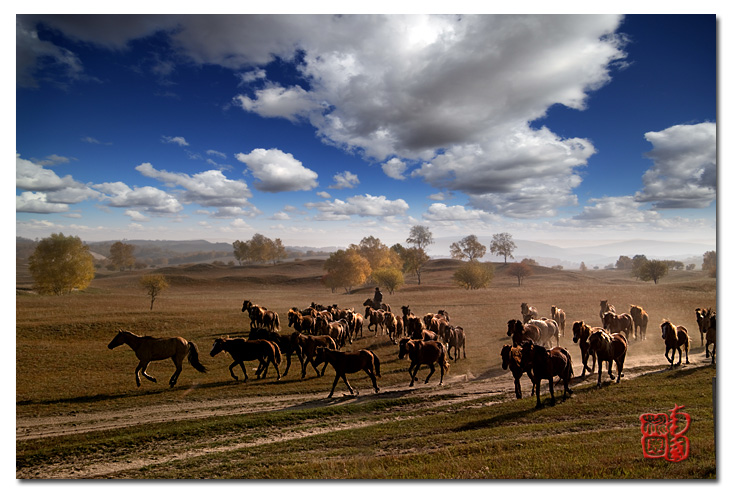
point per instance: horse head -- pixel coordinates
(117, 341)
(578, 328)
(218, 346)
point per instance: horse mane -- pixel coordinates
(603, 338)
(672, 332)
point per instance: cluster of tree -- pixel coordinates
(259, 249)
(61, 264)
(372, 260)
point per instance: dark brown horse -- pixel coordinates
(512, 359)
(641, 321)
(286, 344)
(308, 346)
(377, 319)
(300, 322)
(675, 337)
(522, 332)
(614, 323)
(581, 333)
(348, 363)
(457, 342)
(149, 349)
(546, 364)
(377, 306)
(424, 353)
(703, 323)
(609, 348)
(605, 307)
(242, 350)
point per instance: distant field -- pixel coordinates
(65, 371)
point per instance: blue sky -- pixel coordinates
(322, 130)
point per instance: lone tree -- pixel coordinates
(61, 264)
(415, 258)
(346, 269)
(653, 270)
(474, 275)
(502, 245)
(520, 271)
(468, 248)
(420, 237)
(154, 284)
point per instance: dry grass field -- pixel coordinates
(74, 397)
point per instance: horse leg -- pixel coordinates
(610, 366)
(243, 367)
(413, 371)
(347, 383)
(600, 366)
(552, 393)
(536, 385)
(235, 377)
(433, 369)
(276, 367)
(619, 369)
(372, 378)
(441, 382)
(337, 378)
(178, 361)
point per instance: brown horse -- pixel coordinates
(149, 349)
(424, 353)
(522, 332)
(512, 359)
(581, 333)
(285, 344)
(377, 306)
(255, 313)
(300, 322)
(558, 315)
(308, 346)
(605, 307)
(546, 364)
(348, 363)
(703, 323)
(614, 323)
(641, 321)
(414, 326)
(674, 338)
(457, 342)
(528, 312)
(355, 323)
(242, 350)
(377, 318)
(609, 348)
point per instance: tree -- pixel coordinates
(413, 261)
(624, 263)
(468, 248)
(278, 251)
(378, 254)
(709, 263)
(154, 284)
(583, 267)
(474, 275)
(653, 270)
(636, 264)
(241, 251)
(420, 237)
(60, 264)
(502, 245)
(346, 269)
(121, 256)
(520, 271)
(391, 278)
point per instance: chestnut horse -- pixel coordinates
(347, 363)
(424, 353)
(242, 350)
(581, 332)
(674, 338)
(703, 316)
(149, 349)
(546, 364)
(613, 323)
(457, 342)
(605, 307)
(377, 318)
(512, 359)
(608, 348)
(308, 346)
(377, 306)
(521, 332)
(641, 321)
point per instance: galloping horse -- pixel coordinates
(674, 338)
(377, 318)
(521, 332)
(581, 333)
(558, 315)
(424, 353)
(614, 323)
(347, 363)
(641, 321)
(149, 349)
(703, 322)
(377, 306)
(528, 312)
(609, 348)
(512, 359)
(605, 307)
(242, 350)
(546, 364)
(549, 329)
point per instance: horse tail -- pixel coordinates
(276, 321)
(193, 358)
(570, 365)
(277, 353)
(376, 364)
(444, 357)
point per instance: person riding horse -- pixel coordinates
(378, 298)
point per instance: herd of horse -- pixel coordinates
(320, 332)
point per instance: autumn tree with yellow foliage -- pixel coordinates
(61, 264)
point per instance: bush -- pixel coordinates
(474, 275)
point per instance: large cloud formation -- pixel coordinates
(454, 96)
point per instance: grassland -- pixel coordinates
(209, 426)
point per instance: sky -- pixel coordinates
(321, 130)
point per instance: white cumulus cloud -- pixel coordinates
(278, 171)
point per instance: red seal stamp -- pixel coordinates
(663, 436)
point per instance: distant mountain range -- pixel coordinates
(545, 254)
